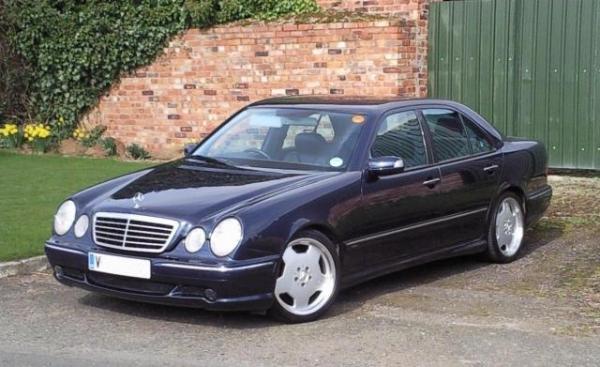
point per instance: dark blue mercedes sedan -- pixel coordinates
(293, 199)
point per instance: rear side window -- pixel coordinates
(448, 135)
(480, 143)
(400, 135)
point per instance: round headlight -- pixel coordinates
(81, 226)
(226, 236)
(64, 217)
(194, 240)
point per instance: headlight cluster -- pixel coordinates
(226, 236)
(65, 217)
(81, 226)
(195, 240)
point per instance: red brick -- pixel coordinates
(230, 66)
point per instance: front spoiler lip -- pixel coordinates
(258, 302)
(244, 287)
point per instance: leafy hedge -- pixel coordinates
(13, 76)
(75, 49)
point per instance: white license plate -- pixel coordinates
(118, 265)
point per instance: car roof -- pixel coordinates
(349, 103)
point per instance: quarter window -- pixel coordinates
(448, 135)
(400, 135)
(480, 143)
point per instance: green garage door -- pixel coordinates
(531, 67)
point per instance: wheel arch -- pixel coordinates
(510, 188)
(322, 228)
(519, 192)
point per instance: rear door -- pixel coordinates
(396, 207)
(470, 171)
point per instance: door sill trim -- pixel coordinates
(411, 227)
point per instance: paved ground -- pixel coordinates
(542, 310)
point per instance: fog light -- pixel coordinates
(210, 294)
(58, 270)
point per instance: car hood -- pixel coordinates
(190, 190)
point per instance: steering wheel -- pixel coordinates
(258, 151)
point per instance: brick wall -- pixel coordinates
(375, 6)
(205, 75)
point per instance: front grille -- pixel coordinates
(133, 232)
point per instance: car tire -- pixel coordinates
(308, 279)
(506, 229)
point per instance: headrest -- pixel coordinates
(310, 142)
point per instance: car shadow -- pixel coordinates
(349, 300)
(183, 315)
(357, 296)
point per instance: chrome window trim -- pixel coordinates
(414, 226)
(144, 218)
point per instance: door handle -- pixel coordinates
(492, 168)
(432, 182)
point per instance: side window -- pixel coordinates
(480, 143)
(400, 136)
(448, 135)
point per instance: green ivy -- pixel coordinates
(76, 49)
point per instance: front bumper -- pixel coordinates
(245, 286)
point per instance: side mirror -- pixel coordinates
(188, 149)
(385, 166)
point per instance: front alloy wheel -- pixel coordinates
(308, 279)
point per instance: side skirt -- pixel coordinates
(469, 248)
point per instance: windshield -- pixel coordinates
(285, 138)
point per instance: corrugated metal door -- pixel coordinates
(531, 67)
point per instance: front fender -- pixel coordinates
(329, 204)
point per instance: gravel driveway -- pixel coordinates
(542, 310)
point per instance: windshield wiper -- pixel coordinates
(209, 160)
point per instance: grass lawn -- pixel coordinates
(31, 189)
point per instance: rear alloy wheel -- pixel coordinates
(308, 279)
(507, 229)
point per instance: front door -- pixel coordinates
(470, 171)
(396, 208)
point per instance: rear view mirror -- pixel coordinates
(385, 166)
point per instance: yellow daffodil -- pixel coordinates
(9, 129)
(36, 131)
(80, 134)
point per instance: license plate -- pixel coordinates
(118, 265)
